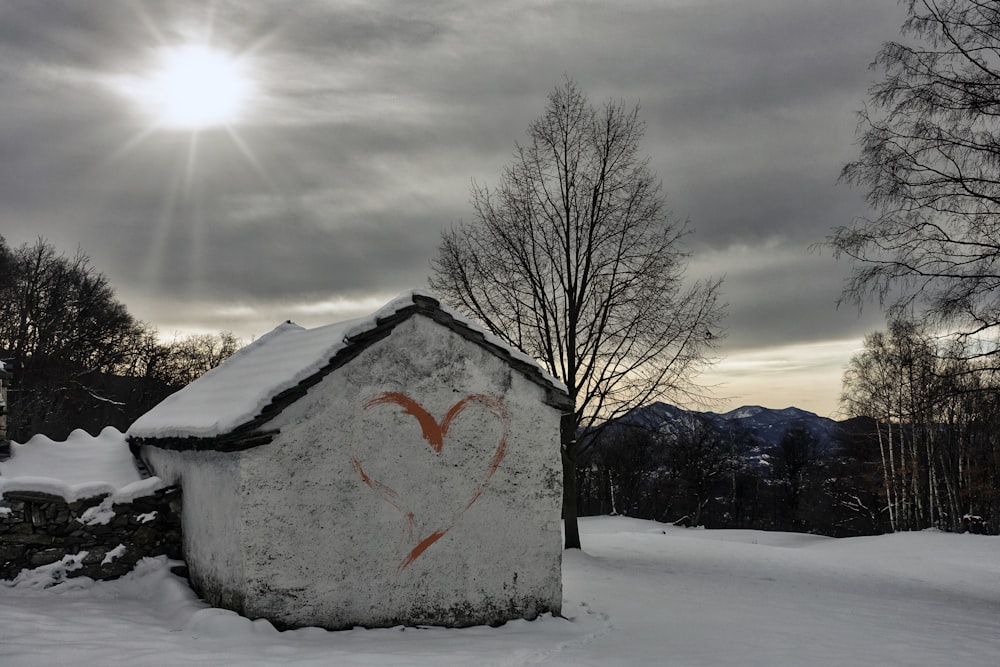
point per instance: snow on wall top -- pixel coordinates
(82, 466)
(236, 391)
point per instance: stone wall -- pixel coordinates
(38, 529)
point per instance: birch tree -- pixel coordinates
(935, 424)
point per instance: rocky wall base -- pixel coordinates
(38, 529)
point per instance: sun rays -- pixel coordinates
(195, 87)
(195, 95)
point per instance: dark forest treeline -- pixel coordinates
(706, 477)
(921, 450)
(78, 358)
(697, 474)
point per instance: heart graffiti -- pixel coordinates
(434, 433)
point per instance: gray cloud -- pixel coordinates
(373, 118)
(781, 293)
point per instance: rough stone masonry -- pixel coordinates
(38, 529)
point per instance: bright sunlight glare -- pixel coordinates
(195, 87)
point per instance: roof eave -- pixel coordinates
(251, 434)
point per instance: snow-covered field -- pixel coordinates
(641, 594)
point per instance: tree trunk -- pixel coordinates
(568, 447)
(890, 501)
(569, 502)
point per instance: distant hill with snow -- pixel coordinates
(769, 425)
(763, 427)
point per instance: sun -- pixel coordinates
(195, 87)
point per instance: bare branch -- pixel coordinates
(573, 258)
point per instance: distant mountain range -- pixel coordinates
(765, 426)
(770, 425)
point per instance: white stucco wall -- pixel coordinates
(211, 519)
(323, 546)
(351, 517)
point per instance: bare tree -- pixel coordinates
(930, 160)
(934, 424)
(574, 259)
(894, 381)
(699, 460)
(80, 360)
(65, 333)
(794, 463)
(629, 467)
(186, 359)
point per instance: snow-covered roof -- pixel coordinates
(235, 393)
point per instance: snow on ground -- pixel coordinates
(642, 593)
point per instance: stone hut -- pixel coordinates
(401, 468)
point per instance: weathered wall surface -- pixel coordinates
(38, 529)
(418, 484)
(212, 519)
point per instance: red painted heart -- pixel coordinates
(434, 433)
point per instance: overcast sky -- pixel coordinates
(370, 119)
